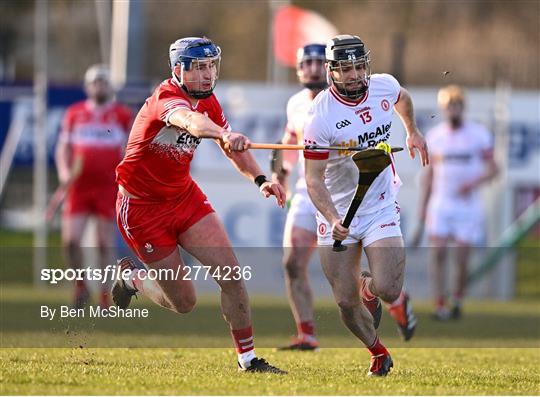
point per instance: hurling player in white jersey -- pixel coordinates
(357, 110)
(450, 206)
(300, 234)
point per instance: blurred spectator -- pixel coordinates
(90, 146)
(451, 207)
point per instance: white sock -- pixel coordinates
(307, 338)
(245, 358)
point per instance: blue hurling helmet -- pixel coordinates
(312, 52)
(316, 51)
(188, 52)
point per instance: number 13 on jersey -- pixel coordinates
(365, 117)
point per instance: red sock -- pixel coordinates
(243, 339)
(365, 292)
(440, 302)
(377, 348)
(306, 328)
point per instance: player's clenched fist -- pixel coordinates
(339, 232)
(235, 142)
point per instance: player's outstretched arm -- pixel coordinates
(283, 161)
(63, 160)
(290, 157)
(415, 140)
(426, 182)
(197, 124)
(321, 198)
(202, 126)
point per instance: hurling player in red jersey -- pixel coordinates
(160, 207)
(94, 133)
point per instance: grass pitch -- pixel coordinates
(495, 349)
(211, 371)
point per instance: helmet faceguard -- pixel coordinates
(310, 61)
(195, 65)
(348, 66)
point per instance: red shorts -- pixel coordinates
(152, 228)
(97, 201)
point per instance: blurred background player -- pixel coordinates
(451, 207)
(355, 106)
(300, 234)
(160, 207)
(90, 146)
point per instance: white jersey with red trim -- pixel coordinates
(334, 121)
(457, 157)
(297, 110)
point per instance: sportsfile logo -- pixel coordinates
(115, 273)
(102, 275)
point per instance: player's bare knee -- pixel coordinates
(72, 244)
(291, 267)
(231, 285)
(184, 304)
(389, 294)
(72, 247)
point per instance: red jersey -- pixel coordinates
(97, 134)
(158, 154)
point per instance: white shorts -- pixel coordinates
(302, 213)
(463, 227)
(366, 228)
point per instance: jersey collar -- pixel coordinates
(348, 102)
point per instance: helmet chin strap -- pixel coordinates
(352, 95)
(193, 94)
(175, 78)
